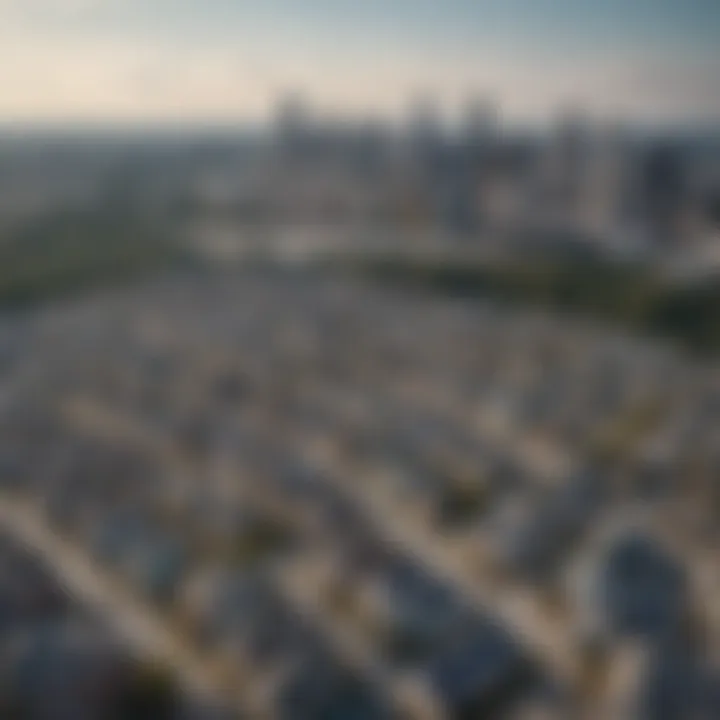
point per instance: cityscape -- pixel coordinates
(361, 410)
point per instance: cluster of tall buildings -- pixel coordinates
(578, 179)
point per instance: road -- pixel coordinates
(523, 614)
(545, 636)
(145, 631)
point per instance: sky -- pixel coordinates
(229, 60)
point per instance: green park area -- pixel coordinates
(625, 295)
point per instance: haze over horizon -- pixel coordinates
(119, 61)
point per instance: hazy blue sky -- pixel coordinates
(646, 59)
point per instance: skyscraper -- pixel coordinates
(292, 125)
(478, 126)
(663, 192)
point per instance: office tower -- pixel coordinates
(663, 192)
(563, 172)
(479, 127)
(424, 128)
(606, 198)
(292, 126)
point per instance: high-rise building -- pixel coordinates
(663, 192)
(572, 158)
(424, 128)
(292, 125)
(606, 196)
(563, 172)
(479, 126)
